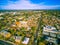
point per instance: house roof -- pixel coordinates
(50, 27)
(5, 32)
(26, 40)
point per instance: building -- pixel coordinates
(50, 34)
(58, 36)
(1, 14)
(5, 34)
(50, 31)
(49, 28)
(18, 39)
(1, 18)
(26, 40)
(22, 24)
(51, 40)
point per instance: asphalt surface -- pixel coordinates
(35, 42)
(4, 43)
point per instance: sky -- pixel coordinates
(29, 4)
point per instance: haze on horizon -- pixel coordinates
(29, 4)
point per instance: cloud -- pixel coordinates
(26, 4)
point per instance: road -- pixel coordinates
(4, 43)
(35, 41)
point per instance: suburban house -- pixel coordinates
(5, 34)
(22, 24)
(1, 18)
(1, 14)
(25, 41)
(17, 39)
